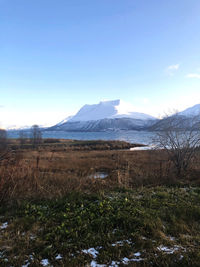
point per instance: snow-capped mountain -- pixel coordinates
(108, 110)
(186, 119)
(106, 115)
(191, 112)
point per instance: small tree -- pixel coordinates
(36, 135)
(180, 138)
(22, 137)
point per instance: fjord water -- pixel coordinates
(140, 137)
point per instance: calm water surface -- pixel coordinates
(142, 137)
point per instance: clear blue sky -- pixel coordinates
(57, 55)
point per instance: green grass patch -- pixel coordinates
(156, 226)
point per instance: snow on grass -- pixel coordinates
(32, 237)
(169, 250)
(92, 251)
(4, 226)
(95, 264)
(121, 243)
(45, 262)
(137, 254)
(127, 260)
(114, 264)
(58, 257)
(27, 263)
(172, 238)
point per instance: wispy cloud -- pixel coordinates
(193, 75)
(170, 70)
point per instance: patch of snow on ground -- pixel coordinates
(27, 263)
(121, 243)
(4, 226)
(45, 262)
(168, 250)
(171, 238)
(32, 237)
(137, 254)
(31, 257)
(94, 252)
(95, 264)
(58, 257)
(91, 251)
(127, 261)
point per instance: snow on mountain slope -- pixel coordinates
(191, 112)
(110, 110)
(64, 121)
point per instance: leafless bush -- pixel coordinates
(180, 138)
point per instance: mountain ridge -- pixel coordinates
(106, 115)
(108, 110)
(116, 115)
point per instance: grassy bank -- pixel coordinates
(146, 227)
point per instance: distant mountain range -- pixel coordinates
(117, 115)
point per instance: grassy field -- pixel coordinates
(57, 210)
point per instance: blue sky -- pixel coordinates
(57, 55)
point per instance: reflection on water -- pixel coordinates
(150, 147)
(99, 175)
(142, 137)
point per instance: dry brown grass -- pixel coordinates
(53, 171)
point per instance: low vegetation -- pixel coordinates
(57, 210)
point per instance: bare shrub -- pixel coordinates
(180, 138)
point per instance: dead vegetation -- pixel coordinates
(55, 169)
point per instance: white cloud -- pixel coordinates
(193, 75)
(172, 69)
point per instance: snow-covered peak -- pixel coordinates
(108, 109)
(191, 112)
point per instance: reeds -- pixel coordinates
(46, 173)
